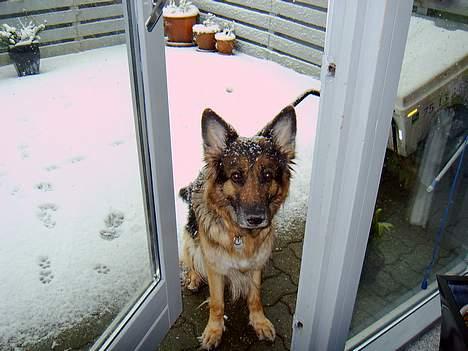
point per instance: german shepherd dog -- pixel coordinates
(229, 234)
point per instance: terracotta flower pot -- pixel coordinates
(204, 36)
(225, 46)
(225, 43)
(205, 41)
(179, 29)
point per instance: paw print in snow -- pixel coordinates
(112, 221)
(45, 274)
(109, 234)
(101, 269)
(51, 168)
(44, 186)
(44, 262)
(77, 159)
(46, 213)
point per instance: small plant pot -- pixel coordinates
(204, 36)
(225, 43)
(26, 59)
(225, 47)
(205, 41)
(179, 29)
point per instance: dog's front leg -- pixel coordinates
(214, 329)
(263, 327)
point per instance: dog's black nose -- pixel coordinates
(253, 217)
(255, 220)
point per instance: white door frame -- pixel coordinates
(364, 49)
(148, 321)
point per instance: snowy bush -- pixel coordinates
(26, 35)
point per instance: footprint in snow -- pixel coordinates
(44, 186)
(46, 214)
(101, 269)
(112, 221)
(77, 159)
(44, 262)
(51, 168)
(45, 274)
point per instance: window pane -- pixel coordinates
(420, 225)
(73, 241)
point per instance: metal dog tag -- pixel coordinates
(238, 242)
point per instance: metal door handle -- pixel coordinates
(155, 15)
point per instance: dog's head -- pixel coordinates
(248, 178)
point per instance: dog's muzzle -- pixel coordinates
(255, 217)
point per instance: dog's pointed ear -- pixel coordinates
(216, 133)
(282, 130)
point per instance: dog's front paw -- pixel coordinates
(193, 281)
(211, 336)
(263, 327)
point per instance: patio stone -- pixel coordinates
(270, 271)
(395, 245)
(419, 257)
(286, 261)
(282, 320)
(385, 284)
(290, 301)
(296, 247)
(403, 273)
(273, 289)
(181, 337)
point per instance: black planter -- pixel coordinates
(26, 59)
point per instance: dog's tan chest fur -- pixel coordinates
(251, 255)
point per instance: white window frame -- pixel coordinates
(364, 49)
(144, 326)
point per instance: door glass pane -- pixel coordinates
(74, 245)
(420, 222)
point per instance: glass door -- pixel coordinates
(419, 227)
(393, 127)
(88, 255)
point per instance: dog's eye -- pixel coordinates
(236, 177)
(267, 175)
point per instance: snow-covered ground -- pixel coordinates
(72, 227)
